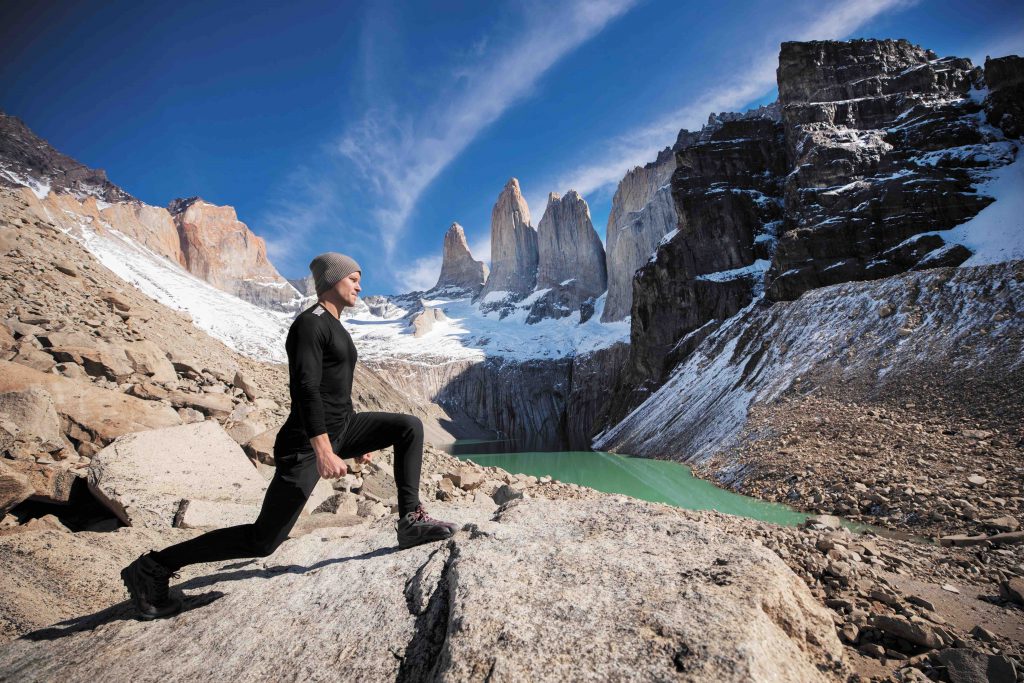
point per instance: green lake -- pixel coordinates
(658, 481)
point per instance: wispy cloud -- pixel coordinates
(421, 274)
(638, 146)
(400, 153)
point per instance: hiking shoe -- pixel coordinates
(148, 583)
(418, 527)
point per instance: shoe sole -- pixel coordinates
(407, 544)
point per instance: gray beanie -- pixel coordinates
(329, 268)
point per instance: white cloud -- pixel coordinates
(421, 274)
(401, 152)
(640, 145)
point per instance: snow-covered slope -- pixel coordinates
(953, 319)
(469, 334)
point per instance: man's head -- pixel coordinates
(338, 273)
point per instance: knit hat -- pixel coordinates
(329, 268)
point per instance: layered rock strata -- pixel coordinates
(513, 247)
(885, 143)
(458, 267)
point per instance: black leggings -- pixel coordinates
(293, 481)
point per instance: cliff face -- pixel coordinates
(642, 213)
(726, 188)
(571, 260)
(222, 250)
(874, 148)
(513, 246)
(884, 144)
(458, 267)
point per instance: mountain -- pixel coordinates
(206, 240)
(881, 150)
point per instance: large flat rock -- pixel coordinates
(547, 590)
(105, 414)
(144, 477)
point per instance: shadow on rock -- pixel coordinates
(122, 611)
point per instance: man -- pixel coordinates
(321, 429)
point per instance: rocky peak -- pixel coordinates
(458, 268)
(569, 247)
(513, 245)
(28, 160)
(222, 250)
(642, 213)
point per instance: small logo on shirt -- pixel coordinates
(319, 310)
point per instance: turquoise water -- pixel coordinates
(659, 481)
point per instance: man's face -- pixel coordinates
(348, 288)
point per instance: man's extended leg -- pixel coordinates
(372, 431)
(147, 578)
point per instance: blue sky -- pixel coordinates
(369, 127)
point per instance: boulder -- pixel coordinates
(968, 666)
(149, 359)
(379, 482)
(14, 487)
(575, 604)
(33, 413)
(144, 477)
(261, 447)
(104, 414)
(7, 341)
(217, 406)
(28, 355)
(245, 431)
(247, 386)
(50, 482)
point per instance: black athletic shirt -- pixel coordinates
(321, 360)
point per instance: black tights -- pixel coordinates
(294, 479)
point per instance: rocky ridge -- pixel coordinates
(207, 240)
(873, 150)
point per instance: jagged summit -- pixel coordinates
(458, 268)
(513, 245)
(181, 204)
(569, 248)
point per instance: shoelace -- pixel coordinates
(420, 515)
(162, 590)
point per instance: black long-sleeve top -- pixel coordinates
(321, 361)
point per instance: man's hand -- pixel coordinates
(330, 466)
(364, 458)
